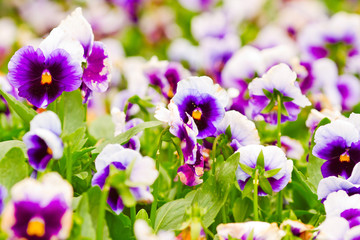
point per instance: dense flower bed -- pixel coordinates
(188, 119)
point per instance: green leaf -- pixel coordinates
(124, 137)
(286, 99)
(241, 209)
(142, 214)
(94, 196)
(228, 132)
(269, 107)
(265, 185)
(74, 111)
(120, 227)
(260, 160)
(247, 169)
(13, 168)
(268, 94)
(272, 172)
(26, 113)
(170, 216)
(87, 226)
(102, 127)
(7, 145)
(249, 186)
(314, 165)
(212, 195)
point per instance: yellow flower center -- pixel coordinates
(36, 227)
(196, 114)
(46, 78)
(49, 151)
(344, 157)
(170, 93)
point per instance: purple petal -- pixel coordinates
(50, 214)
(97, 73)
(38, 153)
(114, 200)
(212, 111)
(26, 68)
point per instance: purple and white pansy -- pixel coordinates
(342, 217)
(243, 131)
(41, 75)
(256, 229)
(119, 119)
(333, 184)
(274, 158)
(339, 144)
(193, 167)
(204, 101)
(280, 79)
(39, 210)
(43, 140)
(143, 174)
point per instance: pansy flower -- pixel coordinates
(204, 101)
(121, 126)
(144, 232)
(333, 184)
(339, 144)
(258, 230)
(96, 75)
(43, 140)
(165, 75)
(42, 77)
(39, 210)
(265, 91)
(190, 173)
(243, 131)
(3, 195)
(143, 174)
(274, 158)
(298, 229)
(342, 217)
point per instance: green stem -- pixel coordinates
(133, 214)
(279, 103)
(214, 154)
(68, 163)
(224, 215)
(101, 216)
(156, 184)
(208, 232)
(279, 202)
(255, 203)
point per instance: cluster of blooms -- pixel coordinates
(219, 95)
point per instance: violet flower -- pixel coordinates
(342, 217)
(297, 228)
(194, 155)
(333, 184)
(259, 230)
(41, 78)
(202, 100)
(243, 131)
(190, 173)
(3, 195)
(121, 126)
(143, 174)
(144, 232)
(280, 79)
(165, 75)
(274, 158)
(339, 144)
(43, 140)
(39, 210)
(96, 76)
